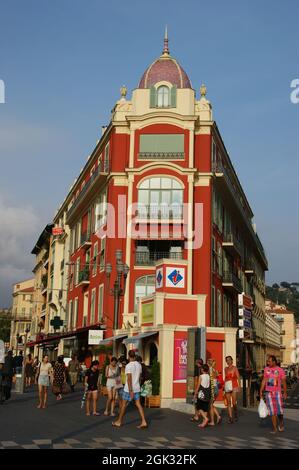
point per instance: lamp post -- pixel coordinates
(24, 360)
(122, 271)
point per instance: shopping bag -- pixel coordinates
(262, 409)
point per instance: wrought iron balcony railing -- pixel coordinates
(156, 211)
(150, 258)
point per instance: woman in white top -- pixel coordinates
(203, 395)
(112, 372)
(44, 377)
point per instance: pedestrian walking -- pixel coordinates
(29, 370)
(122, 362)
(59, 377)
(231, 388)
(91, 383)
(7, 375)
(112, 373)
(131, 391)
(214, 414)
(274, 378)
(73, 370)
(18, 363)
(197, 373)
(44, 377)
(202, 395)
(145, 375)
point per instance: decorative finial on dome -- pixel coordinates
(203, 90)
(123, 91)
(165, 48)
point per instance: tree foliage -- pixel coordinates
(288, 297)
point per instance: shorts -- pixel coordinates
(92, 391)
(120, 392)
(44, 380)
(274, 403)
(126, 396)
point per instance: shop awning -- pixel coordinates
(113, 338)
(135, 339)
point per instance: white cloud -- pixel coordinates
(18, 228)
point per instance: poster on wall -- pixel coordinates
(95, 336)
(175, 277)
(180, 360)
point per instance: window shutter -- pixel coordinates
(153, 97)
(173, 97)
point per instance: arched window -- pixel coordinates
(144, 286)
(159, 195)
(163, 95)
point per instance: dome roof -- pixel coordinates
(165, 68)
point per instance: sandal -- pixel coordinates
(204, 425)
(219, 420)
(96, 414)
(142, 426)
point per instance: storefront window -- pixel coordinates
(144, 286)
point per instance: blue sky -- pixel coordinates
(63, 63)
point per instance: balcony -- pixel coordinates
(160, 212)
(225, 178)
(85, 240)
(249, 266)
(150, 258)
(99, 175)
(161, 156)
(231, 282)
(232, 244)
(84, 277)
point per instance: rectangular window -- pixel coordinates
(95, 259)
(106, 158)
(213, 255)
(77, 271)
(92, 306)
(71, 277)
(70, 315)
(219, 259)
(219, 309)
(78, 240)
(102, 254)
(75, 319)
(213, 316)
(100, 303)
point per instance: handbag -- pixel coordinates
(56, 389)
(65, 389)
(204, 393)
(228, 386)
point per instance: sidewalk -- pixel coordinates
(64, 425)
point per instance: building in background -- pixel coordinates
(273, 335)
(41, 271)
(286, 319)
(22, 313)
(5, 325)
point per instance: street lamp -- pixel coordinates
(122, 271)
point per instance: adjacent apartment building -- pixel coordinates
(22, 312)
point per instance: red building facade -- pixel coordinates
(163, 152)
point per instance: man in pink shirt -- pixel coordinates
(274, 377)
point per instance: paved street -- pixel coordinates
(64, 425)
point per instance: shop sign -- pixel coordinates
(175, 277)
(159, 278)
(57, 231)
(147, 312)
(180, 360)
(95, 336)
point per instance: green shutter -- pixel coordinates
(173, 97)
(153, 97)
